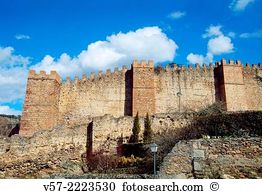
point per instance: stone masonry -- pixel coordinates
(214, 158)
(144, 89)
(41, 108)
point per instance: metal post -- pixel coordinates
(155, 163)
(153, 148)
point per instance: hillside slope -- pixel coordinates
(8, 125)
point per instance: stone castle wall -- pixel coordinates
(253, 86)
(214, 158)
(97, 95)
(181, 89)
(142, 89)
(61, 150)
(107, 131)
(143, 93)
(41, 109)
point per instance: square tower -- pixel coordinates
(41, 102)
(143, 93)
(230, 87)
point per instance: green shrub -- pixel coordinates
(129, 161)
(230, 124)
(213, 109)
(135, 130)
(148, 132)
(101, 162)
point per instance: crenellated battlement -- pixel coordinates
(252, 69)
(247, 68)
(223, 62)
(144, 88)
(94, 77)
(143, 64)
(44, 76)
(176, 69)
(188, 72)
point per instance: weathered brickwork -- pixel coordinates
(214, 158)
(231, 86)
(61, 149)
(181, 89)
(41, 108)
(143, 89)
(253, 86)
(107, 130)
(97, 95)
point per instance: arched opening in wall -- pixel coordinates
(89, 139)
(128, 93)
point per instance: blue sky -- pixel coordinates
(80, 36)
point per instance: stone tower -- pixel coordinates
(41, 102)
(230, 87)
(143, 90)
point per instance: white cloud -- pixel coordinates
(177, 14)
(257, 34)
(13, 73)
(8, 111)
(12, 84)
(22, 37)
(240, 5)
(200, 59)
(217, 44)
(8, 59)
(231, 34)
(116, 50)
(195, 58)
(65, 66)
(212, 31)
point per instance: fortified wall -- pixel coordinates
(144, 89)
(227, 158)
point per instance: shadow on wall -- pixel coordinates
(128, 93)
(219, 91)
(89, 139)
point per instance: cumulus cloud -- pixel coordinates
(240, 5)
(212, 31)
(195, 58)
(22, 37)
(8, 59)
(200, 59)
(257, 34)
(9, 111)
(64, 65)
(218, 44)
(12, 84)
(177, 14)
(116, 50)
(13, 72)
